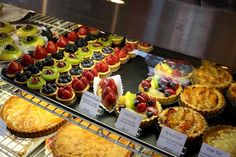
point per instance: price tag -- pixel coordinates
(171, 140)
(128, 122)
(89, 104)
(3, 128)
(210, 151)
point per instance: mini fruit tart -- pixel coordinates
(27, 30)
(50, 75)
(33, 41)
(90, 75)
(80, 85)
(97, 57)
(145, 47)
(213, 76)
(10, 52)
(64, 79)
(114, 62)
(81, 43)
(70, 48)
(123, 55)
(87, 64)
(178, 69)
(35, 83)
(73, 59)
(59, 56)
(231, 94)
(26, 60)
(51, 47)
(5, 39)
(62, 42)
(205, 99)
(91, 38)
(184, 120)
(145, 106)
(76, 71)
(165, 89)
(48, 62)
(35, 69)
(103, 69)
(93, 31)
(62, 66)
(97, 46)
(40, 53)
(84, 52)
(131, 49)
(105, 40)
(12, 68)
(83, 31)
(66, 95)
(72, 37)
(22, 77)
(6, 27)
(49, 89)
(107, 51)
(131, 41)
(116, 39)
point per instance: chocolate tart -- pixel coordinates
(71, 141)
(27, 120)
(184, 120)
(222, 137)
(87, 64)
(206, 100)
(107, 51)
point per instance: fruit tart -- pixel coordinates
(32, 41)
(103, 69)
(12, 68)
(93, 31)
(35, 69)
(28, 120)
(91, 38)
(184, 120)
(83, 31)
(22, 77)
(165, 89)
(35, 83)
(49, 89)
(26, 60)
(90, 75)
(131, 41)
(107, 50)
(70, 48)
(62, 42)
(116, 39)
(131, 49)
(40, 53)
(222, 137)
(63, 66)
(51, 47)
(27, 30)
(97, 57)
(145, 47)
(109, 89)
(72, 37)
(76, 71)
(80, 85)
(48, 62)
(205, 99)
(66, 95)
(213, 76)
(81, 43)
(105, 40)
(84, 52)
(123, 55)
(59, 56)
(6, 27)
(5, 39)
(231, 93)
(73, 59)
(87, 64)
(113, 61)
(10, 52)
(50, 75)
(64, 79)
(148, 108)
(178, 69)
(97, 46)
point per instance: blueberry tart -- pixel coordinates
(64, 79)
(97, 57)
(70, 48)
(76, 71)
(107, 51)
(34, 69)
(91, 38)
(48, 62)
(49, 89)
(22, 77)
(87, 64)
(80, 43)
(59, 56)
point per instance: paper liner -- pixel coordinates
(118, 82)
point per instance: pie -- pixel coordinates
(231, 93)
(205, 99)
(73, 141)
(184, 120)
(222, 137)
(212, 75)
(27, 120)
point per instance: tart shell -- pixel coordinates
(69, 101)
(79, 93)
(124, 60)
(115, 67)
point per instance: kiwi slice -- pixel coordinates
(10, 52)
(6, 27)
(129, 100)
(33, 41)
(50, 74)
(35, 83)
(5, 39)
(28, 30)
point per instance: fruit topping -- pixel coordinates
(98, 56)
(123, 53)
(89, 75)
(87, 63)
(33, 69)
(22, 77)
(64, 78)
(51, 47)
(83, 30)
(49, 88)
(97, 44)
(141, 107)
(79, 84)
(48, 61)
(13, 68)
(10, 47)
(65, 92)
(39, 53)
(29, 39)
(81, 43)
(85, 50)
(71, 48)
(59, 55)
(110, 99)
(72, 36)
(102, 67)
(108, 82)
(26, 60)
(62, 41)
(76, 70)
(61, 64)
(35, 80)
(49, 72)
(90, 37)
(107, 50)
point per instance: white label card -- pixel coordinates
(171, 140)
(128, 122)
(3, 128)
(89, 104)
(210, 151)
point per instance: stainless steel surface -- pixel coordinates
(201, 32)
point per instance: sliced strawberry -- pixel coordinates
(145, 96)
(128, 49)
(89, 76)
(145, 83)
(74, 81)
(111, 83)
(128, 45)
(69, 88)
(140, 99)
(84, 80)
(26, 60)
(98, 66)
(106, 91)
(13, 68)
(104, 67)
(123, 53)
(79, 86)
(51, 47)
(95, 72)
(116, 58)
(61, 64)
(39, 53)
(83, 30)
(67, 94)
(141, 107)
(110, 99)
(117, 50)
(153, 110)
(109, 60)
(72, 36)
(60, 92)
(176, 73)
(62, 41)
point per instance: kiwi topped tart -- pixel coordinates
(35, 83)
(62, 66)
(33, 41)
(50, 75)
(84, 52)
(6, 27)
(105, 40)
(10, 52)
(5, 39)
(27, 30)
(73, 59)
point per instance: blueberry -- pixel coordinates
(136, 102)
(64, 80)
(172, 85)
(161, 85)
(146, 89)
(150, 103)
(60, 79)
(138, 93)
(149, 114)
(167, 93)
(9, 47)
(161, 90)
